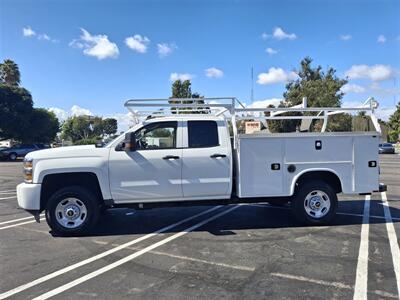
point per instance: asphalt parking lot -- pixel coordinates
(244, 251)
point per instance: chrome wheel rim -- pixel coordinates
(317, 204)
(71, 213)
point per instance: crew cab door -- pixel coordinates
(207, 165)
(153, 170)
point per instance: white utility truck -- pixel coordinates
(191, 152)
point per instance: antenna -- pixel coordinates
(252, 86)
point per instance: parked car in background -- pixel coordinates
(20, 150)
(386, 148)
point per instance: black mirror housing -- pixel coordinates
(130, 142)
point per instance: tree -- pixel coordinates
(9, 73)
(322, 89)
(394, 125)
(45, 126)
(183, 89)
(87, 128)
(110, 126)
(15, 109)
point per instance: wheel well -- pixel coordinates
(330, 178)
(53, 182)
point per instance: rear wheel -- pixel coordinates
(72, 210)
(315, 203)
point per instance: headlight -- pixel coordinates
(28, 169)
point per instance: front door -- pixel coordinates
(153, 171)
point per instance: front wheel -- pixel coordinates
(72, 210)
(315, 203)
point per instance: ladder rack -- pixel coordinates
(236, 110)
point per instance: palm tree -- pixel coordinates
(9, 73)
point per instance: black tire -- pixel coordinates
(13, 156)
(299, 203)
(83, 196)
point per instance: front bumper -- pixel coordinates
(28, 195)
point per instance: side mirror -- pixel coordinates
(129, 142)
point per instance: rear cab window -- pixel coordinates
(203, 134)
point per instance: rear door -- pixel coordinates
(206, 165)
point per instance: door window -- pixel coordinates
(203, 134)
(160, 135)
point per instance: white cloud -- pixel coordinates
(265, 103)
(346, 37)
(43, 36)
(214, 73)
(80, 111)
(27, 31)
(385, 112)
(165, 49)
(381, 39)
(276, 75)
(137, 43)
(271, 51)
(61, 114)
(98, 46)
(180, 76)
(75, 110)
(125, 120)
(374, 73)
(279, 34)
(352, 88)
(382, 91)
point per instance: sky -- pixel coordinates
(89, 57)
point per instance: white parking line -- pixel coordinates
(8, 197)
(16, 220)
(128, 258)
(19, 224)
(360, 288)
(98, 256)
(394, 246)
(338, 213)
(8, 192)
(337, 285)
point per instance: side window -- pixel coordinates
(160, 135)
(203, 134)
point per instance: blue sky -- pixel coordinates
(96, 54)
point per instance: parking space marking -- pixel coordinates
(339, 285)
(16, 220)
(8, 192)
(181, 257)
(394, 246)
(338, 213)
(98, 256)
(19, 224)
(128, 258)
(360, 288)
(8, 197)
